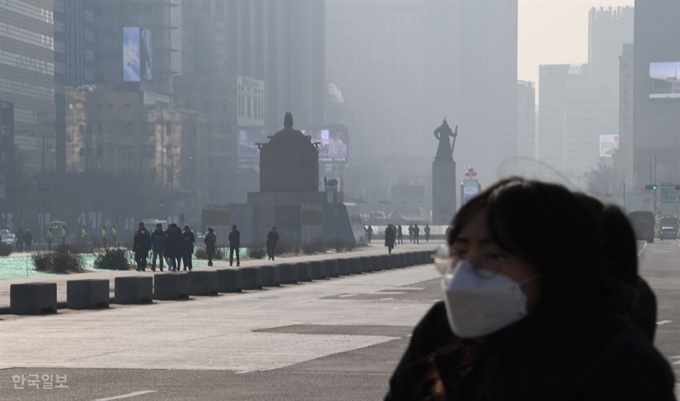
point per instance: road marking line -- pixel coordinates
(643, 248)
(120, 397)
(347, 295)
(663, 322)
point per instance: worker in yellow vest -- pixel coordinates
(104, 237)
(49, 238)
(83, 234)
(63, 235)
(114, 236)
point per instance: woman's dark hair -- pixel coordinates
(547, 226)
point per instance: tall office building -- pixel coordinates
(404, 65)
(27, 77)
(526, 119)
(623, 160)
(73, 60)
(656, 106)
(139, 44)
(579, 104)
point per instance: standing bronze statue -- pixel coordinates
(445, 149)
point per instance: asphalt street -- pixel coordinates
(330, 340)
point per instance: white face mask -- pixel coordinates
(478, 306)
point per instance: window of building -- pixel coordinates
(168, 129)
(81, 128)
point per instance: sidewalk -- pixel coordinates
(371, 250)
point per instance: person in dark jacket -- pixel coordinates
(174, 248)
(28, 240)
(210, 242)
(527, 316)
(416, 234)
(188, 240)
(19, 239)
(159, 240)
(234, 245)
(272, 240)
(400, 235)
(141, 245)
(390, 238)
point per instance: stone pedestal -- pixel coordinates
(443, 191)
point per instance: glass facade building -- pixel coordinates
(27, 72)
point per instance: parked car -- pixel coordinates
(668, 233)
(7, 237)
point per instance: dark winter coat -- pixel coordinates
(142, 241)
(390, 237)
(188, 240)
(159, 240)
(621, 365)
(28, 238)
(643, 314)
(174, 246)
(272, 239)
(210, 240)
(235, 239)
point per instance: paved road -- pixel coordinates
(331, 340)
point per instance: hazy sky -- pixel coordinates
(555, 32)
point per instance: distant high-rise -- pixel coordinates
(27, 70)
(579, 104)
(623, 160)
(656, 104)
(526, 119)
(404, 65)
(138, 44)
(73, 58)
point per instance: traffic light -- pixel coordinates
(653, 187)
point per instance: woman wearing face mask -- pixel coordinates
(523, 316)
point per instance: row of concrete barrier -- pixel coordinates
(39, 298)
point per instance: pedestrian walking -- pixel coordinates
(234, 245)
(272, 240)
(210, 242)
(173, 250)
(416, 234)
(400, 235)
(19, 238)
(114, 236)
(390, 238)
(369, 233)
(188, 240)
(141, 245)
(104, 239)
(495, 336)
(410, 232)
(63, 235)
(83, 235)
(28, 240)
(49, 237)
(159, 240)
(427, 233)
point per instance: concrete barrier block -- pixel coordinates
(33, 298)
(271, 276)
(332, 268)
(366, 264)
(376, 263)
(288, 273)
(133, 290)
(318, 270)
(408, 259)
(394, 261)
(203, 282)
(304, 271)
(385, 262)
(251, 278)
(228, 280)
(355, 266)
(344, 267)
(87, 294)
(171, 286)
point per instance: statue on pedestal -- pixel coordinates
(445, 149)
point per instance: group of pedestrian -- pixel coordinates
(172, 246)
(210, 242)
(23, 240)
(526, 316)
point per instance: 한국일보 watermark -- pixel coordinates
(37, 381)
